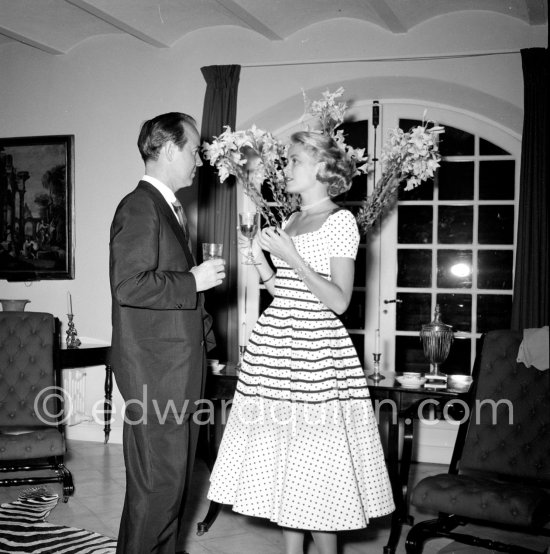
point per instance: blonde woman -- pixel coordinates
(301, 446)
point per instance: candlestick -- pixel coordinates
(72, 336)
(376, 375)
(377, 341)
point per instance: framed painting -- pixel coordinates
(37, 208)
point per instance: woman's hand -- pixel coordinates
(277, 242)
(334, 293)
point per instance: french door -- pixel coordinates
(450, 242)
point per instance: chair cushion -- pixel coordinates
(42, 443)
(483, 499)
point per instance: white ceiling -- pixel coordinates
(56, 26)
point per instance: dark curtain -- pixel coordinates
(530, 302)
(217, 208)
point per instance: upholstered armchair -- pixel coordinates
(32, 442)
(499, 474)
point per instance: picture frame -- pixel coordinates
(37, 208)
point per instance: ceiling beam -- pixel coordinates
(388, 16)
(29, 41)
(537, 11)
(118, 23)
(248, 19)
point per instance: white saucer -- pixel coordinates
(411, 383)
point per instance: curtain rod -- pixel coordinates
(400, 59)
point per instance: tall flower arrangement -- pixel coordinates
(254, 157)
(411, 157)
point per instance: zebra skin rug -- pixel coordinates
(23, 529)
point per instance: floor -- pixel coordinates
(98, 471)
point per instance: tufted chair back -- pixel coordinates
(31, 417)
(510, 432)
(27, 373)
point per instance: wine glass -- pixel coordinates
(249, 223)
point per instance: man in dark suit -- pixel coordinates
(160, 334)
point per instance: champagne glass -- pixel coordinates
(249, 223)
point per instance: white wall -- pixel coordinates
(104, 88)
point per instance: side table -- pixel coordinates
(86, 355)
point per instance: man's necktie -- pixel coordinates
(180, 214)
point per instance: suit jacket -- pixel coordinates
(160, 327)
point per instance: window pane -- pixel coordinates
(455, 142)
(493, 312)
(409, 355)
(487, 148)
(407, 124)
(414, 268)
(354, 317)
(413, 311)
(495, 269)
(455, 225)
(496, 225)
(414, 224)
(456, 181)
(456, 310)
(458, 360)
(496, 180)
(454, 269)
(357, 192)
(360, 268)
(356, 133)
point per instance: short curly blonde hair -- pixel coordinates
(337, 170)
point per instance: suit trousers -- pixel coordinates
(159, 462)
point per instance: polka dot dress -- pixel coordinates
(301, 445)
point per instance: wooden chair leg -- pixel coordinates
(67, 480)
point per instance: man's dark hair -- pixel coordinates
(161, 129)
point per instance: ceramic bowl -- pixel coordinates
(411, 380)
(459, 382)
